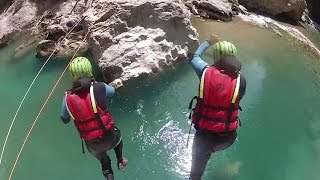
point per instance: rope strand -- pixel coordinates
(43, 106)
(27, 92)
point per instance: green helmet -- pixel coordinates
(223, 48)
(80, 67)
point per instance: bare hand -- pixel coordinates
(213, 39)
(117, 83)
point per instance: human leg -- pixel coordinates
(201, 152)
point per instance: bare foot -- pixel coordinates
(122, 164)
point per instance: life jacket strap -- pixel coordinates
(65, 100)
(95, 110)
(232, 104)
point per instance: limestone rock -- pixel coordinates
(134, 38)
(128, 38)
(45, 48)
(139, 51)
(290, 8)
(19, 15)
(29, 15)
(55, 32)
(213, 9)
(314, 9)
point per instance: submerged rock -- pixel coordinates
(134, 38)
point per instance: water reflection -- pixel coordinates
(175, 142)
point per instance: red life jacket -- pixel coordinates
(218, 102)
(91, 121)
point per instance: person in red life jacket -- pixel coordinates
(86, 103)
(215, 116)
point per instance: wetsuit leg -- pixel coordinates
(222, 145)
(98, 150)
(106, 168)
(204, 144)
(118, 148)
(201, 152)
(105, 162)
(118, 151)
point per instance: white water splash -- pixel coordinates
(175, 142)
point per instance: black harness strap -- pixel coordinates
(191, 102)
(215, 107)
(83, 152)
(229, 116)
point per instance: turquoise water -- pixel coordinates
(279, 138)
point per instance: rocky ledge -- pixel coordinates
(292, 10)
(289, 32)
(131, 38)
(127, 38)
(134, 38)
(222, 10)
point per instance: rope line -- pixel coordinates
(43, 106)
(27, 92)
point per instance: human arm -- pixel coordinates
(65, 116)
(110, 90)
(197, 62)
(243, 86)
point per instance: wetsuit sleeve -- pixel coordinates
(65, 117)
(110, 90)
(197, 63)
(243, 86)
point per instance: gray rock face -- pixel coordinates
(43, 48)
(57, 25)
(243, 10)
(50, 17)
(314, 9)
(128, 38)
(19, 15)
(213, 9)
(290, 8)
(133, 38)
(5, 4)
(55, 32)
(139, 51)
